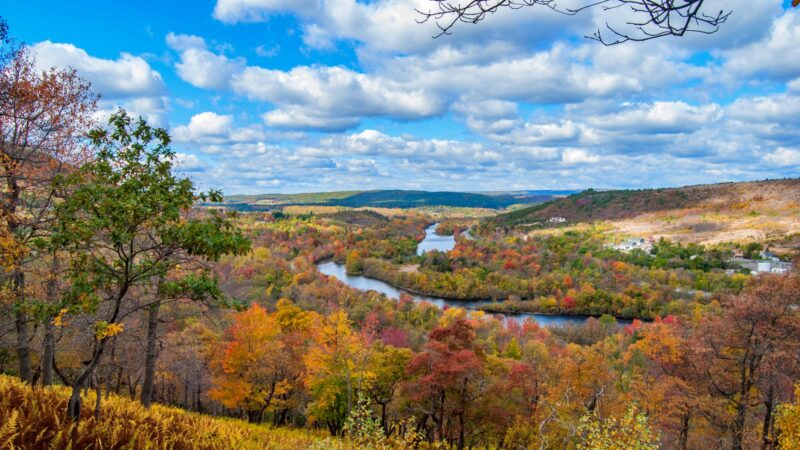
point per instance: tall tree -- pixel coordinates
(126, 227)
(387, 365)
(259, 364)
(335, 369)
(43, 118)
(666, 378)
(756, 334)
(191, 243)
(445, 379)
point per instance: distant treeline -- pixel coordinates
(392, 199)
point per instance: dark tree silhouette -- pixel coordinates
(650, 19)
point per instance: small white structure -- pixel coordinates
(556, 220)
(633, 244)
(781, 268)
(763, 266)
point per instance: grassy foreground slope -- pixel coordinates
(34, 419)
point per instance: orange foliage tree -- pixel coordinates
(259, 364)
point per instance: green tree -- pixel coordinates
(127, 226)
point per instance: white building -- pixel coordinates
(632, 244)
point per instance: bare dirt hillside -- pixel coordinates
(729, 212)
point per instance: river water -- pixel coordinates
(433, 241)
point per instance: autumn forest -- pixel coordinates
(138, 310)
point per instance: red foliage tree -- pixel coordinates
(445, 378)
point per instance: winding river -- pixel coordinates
(433, 241)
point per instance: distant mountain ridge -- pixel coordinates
(394, 199)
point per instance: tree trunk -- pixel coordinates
(75, 402)
(74, 405)
(683, 440)
(48, 353)
(21, 327)
(151, 355)
(10, 202)
(737, 431)
(98, 399)
(383, 419)
(769, 404)
(253, 416)
(49, 344)
(186, 392)
(462, 414)
(199, 407)
(460, 445)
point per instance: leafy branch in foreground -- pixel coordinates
(128, 228)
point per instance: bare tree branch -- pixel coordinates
(651, 19)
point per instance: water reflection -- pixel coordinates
(434, 241)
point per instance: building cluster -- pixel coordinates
(628, 245)
(767, 263)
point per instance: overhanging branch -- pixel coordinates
(652, 18)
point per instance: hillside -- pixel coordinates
(391, 199)
(411, 199)
(290, 199)
(757, 210)
(34, 418)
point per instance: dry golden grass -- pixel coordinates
(745, 212)
(35, 419)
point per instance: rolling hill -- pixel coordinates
(392, 199)
(756, 210)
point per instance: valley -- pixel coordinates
(400, 225)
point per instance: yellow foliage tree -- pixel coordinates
(632, 432)
(788, 418)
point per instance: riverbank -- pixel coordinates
(382, 276)
(504, 307)
(338, 271)
(500, 308)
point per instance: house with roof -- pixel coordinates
(631, 244)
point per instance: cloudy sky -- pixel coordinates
(310, 95)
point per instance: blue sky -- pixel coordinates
(310, 95)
